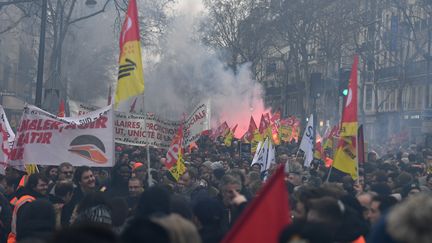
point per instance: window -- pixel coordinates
(368, 98)
(430, 96)
(270, 68)
(412, 94)
(392, 100)
(419, 97)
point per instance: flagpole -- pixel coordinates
(149, 176)
(328, 175)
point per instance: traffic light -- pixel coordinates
(344, 75)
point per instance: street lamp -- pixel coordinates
(39, 80)
(90, 3)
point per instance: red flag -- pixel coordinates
(222, 130)
(264, 123)
(276, 118)
(248, 136)
(266, 216)
(61, 109)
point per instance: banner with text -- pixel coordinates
(44, 139)
(135, 129)
(7, 137)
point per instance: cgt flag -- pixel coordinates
(175, 162)
(265, 216)
(130, 81)
(346, 159)
(230, 136)
(249, 134)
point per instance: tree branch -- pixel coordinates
(91, 15)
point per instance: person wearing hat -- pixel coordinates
(139, 170)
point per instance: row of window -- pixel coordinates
(386, 99)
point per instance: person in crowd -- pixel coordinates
(93, 233)
(86, 183)
(379, 206)
(154, 201)
(187, 182)
(208, 213)
(410, 220)
(65, 171)
(135, 188)
(143, 229)
(234, 203)
(36, 221)
(93, 208)
(179, 229)
(119, 213)
(121, 174)
(51, 172)
(140, 171)
(62, 195)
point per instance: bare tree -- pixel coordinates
(238, 28)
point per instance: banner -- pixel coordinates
(44, 139)
(135, 129)
(78, 108)
(197, 122)
(7, 137)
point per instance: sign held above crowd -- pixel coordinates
(45, 139)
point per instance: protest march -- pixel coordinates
(119, 174)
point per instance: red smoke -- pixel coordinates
(240, 114)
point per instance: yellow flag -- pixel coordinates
(346, 154)
(257, 137)
(130, 80)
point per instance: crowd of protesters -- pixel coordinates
(390, 202)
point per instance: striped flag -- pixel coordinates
(130, 81)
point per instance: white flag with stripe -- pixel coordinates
(265, 157)
(306, 144)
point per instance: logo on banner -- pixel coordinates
(89, 147)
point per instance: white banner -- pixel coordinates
(7, 137)
(135, 129)
(197, 122)
(78, 108)
(44, 139)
